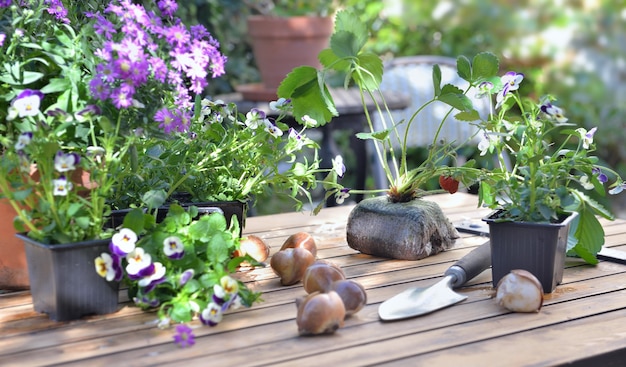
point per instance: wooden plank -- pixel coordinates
(240, 333)
(535, 347)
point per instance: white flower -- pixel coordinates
(104, 266)
(159, 272)
(61, 186)
(338, 166)
(584, 181)
(124, 241)
(137, 261)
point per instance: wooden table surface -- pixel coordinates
(585, 317)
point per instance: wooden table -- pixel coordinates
(584, 318)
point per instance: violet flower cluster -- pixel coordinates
(180, 266)
(156, 53)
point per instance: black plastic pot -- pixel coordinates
(228, 208)
(63, 280)
(536, 247)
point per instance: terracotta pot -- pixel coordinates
(281, 44)
(407, 231)
(13, 269)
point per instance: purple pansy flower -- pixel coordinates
(173, 247)
(184, 336)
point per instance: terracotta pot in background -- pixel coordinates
(281, 44)
(13, 270)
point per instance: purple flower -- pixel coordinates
(123, 242)
(57, 9)
(173, 247)
(27, 102)
(185, 277)
(553, 112)
(211, 315)
(184, 336)
(601, 176)
(23, 140)
(342, 195)
(167, 8)
(146, 301)
(64, 162)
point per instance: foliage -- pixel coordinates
(245, 156)
(78, 90)
(182, 265)
(307, 89)
(544, 179)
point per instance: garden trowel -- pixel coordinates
(420, 301)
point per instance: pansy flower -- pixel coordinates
(212, 314)
(272, 129)
(186, 276)
(147, 301)
(586, 136)
(618, 188)
(599, 174)
(297, 137)
(308, 121)
(280, 104)
(23, 140)
(123, 242)
(27, 102)
(510, 81)
(139, 264)
(61, 186)
(255, 117)
(173, 247)
(585, 183)
(156, 277)
(224, 291)
(342, 195)
(64, 162)
(553, 112)
(338, 167)
(106, 267)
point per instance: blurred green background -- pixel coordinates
(574, 50)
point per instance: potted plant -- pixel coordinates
(245, 156)
(78, 91)
(540, 186)
(285, 34)
(543, 194)
(183, 265)
(400, 224)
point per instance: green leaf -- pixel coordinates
(31, 76)
(485, 65)
(328, 59)
(590, 235)
(134, 220)
(376, 135)
(464, 68)
(218, 249)
(302, 86)
(345, 44)
(370, 71)
(347, 22)
(206, 226)
(154, 198)
(454, 97)
(180, 311)
(56, 85)
(437, 79)
(472, 115)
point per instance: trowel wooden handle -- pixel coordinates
(470, 265)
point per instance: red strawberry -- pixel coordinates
(448, 183)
